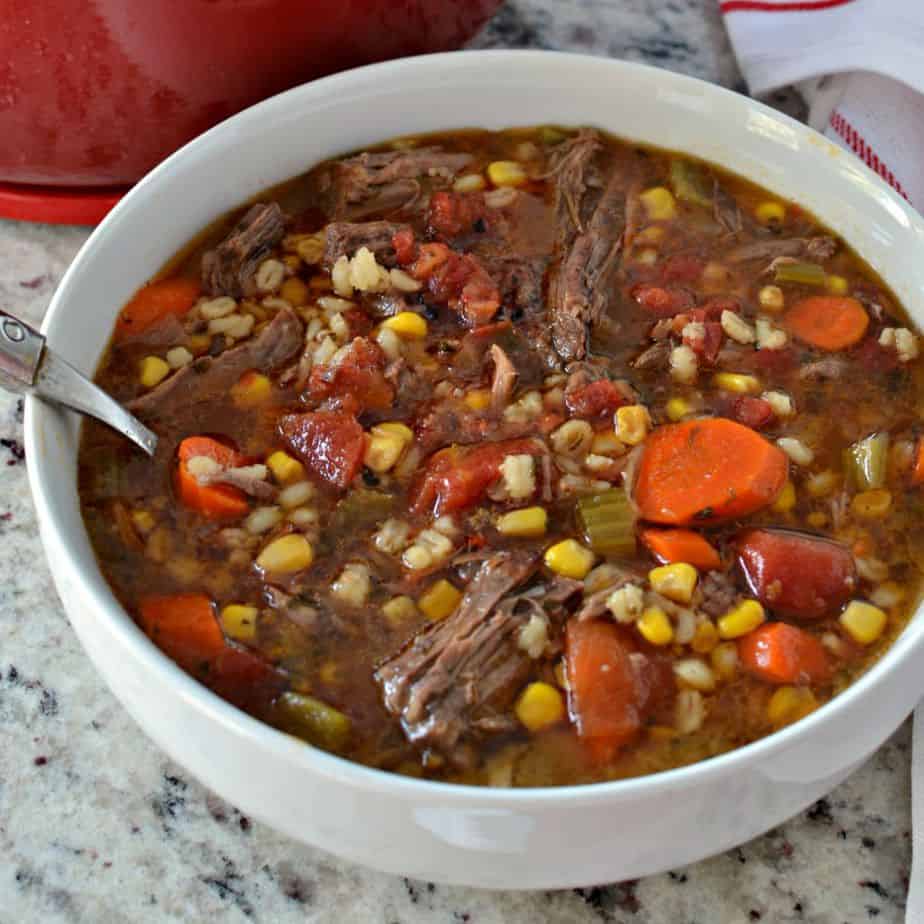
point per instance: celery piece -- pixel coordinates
(690, 182)
(867, 462)
(312, 721)
(608, 522)
(806, 274)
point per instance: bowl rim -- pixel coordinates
(303, 756)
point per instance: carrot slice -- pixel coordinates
(219, 501)
(674, 545)
(705, 471)
(603, 694)
(780, 653)
(183, 626)
(829, 322)
(156, 301)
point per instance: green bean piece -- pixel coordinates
(806, 274)
(867, 462)
(312, 721)
(691, 183)
(608, 522)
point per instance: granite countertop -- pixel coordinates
(97, 825)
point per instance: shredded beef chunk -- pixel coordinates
(374, 182)
(344, 238)
(571, 167)
(458, 673)
(718, 593)
(230, 268)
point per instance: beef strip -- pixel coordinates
(717, 593)
(381, 181)
(468, 667)
(175, 401)
(230, 268)
(817, 249)
(243, 479)
(504, 379)
(344, 238)
(571, 164)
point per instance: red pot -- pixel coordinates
(95, 93)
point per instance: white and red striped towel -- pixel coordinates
(860, 66)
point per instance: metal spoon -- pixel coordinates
(29, 367)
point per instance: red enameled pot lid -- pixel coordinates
(57, 204)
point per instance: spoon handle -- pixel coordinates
(28, 367)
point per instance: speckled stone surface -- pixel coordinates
(97, 826)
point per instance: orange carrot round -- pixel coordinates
(183, 626)
(828, 322)
(705, 471)
(155, 302)
(219, 501)
(917, 467)
(676, 545)
(780, 653)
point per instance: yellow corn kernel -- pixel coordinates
(143, 521)
(789, 704)
(676, 582)
(152, 371)
(399, 610)
(295, 292)
(478, 399)
(740, 620)
(407, 325)
(705, 638)
(724, 659)
(395, 428)
(817, 519)
(239, 621)
(874, 503)
(570, 559)
(606, 443)
(561, 674)
(837, 285)
(285, 469)
(439, 600)
(771, 298)
(678, 408)
(198, 344)
(539, 706)
(653, 234)
(647, 256)
(506, 173)
(286, 555)
(251, 389)
(770, 213)
(655, 627)
(736, 382)
(863, 622)
(786, 499)
(469, 182)
(659, 203)
(386, 445)
(530, 521)
(632, 423)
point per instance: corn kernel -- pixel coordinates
(199, 344)
(395, 427)
(439, 600)
(837, 285)
(789, 704)
(606, 443)
(143, 521)
(407, 324)
(539, 706)
(570, 559)
(386, 445)
(724, 659)
(285, 469)
(786, 499)
(152, 371)
(286, 555)
(653, 234)
(528, 522)
(469, 182)
(736, 382)
(239, 622)
(817, 519)
(399, 610)
(874, 503)
(659, 203)
(295, 292)
(506, 173)
(771, 298)
(771, 213)
(632, 423)
(676, 582)
(655, 627)
(740, 620)
(678, 408)
(647, 256)
(705, 638)
(478, 399)
(863, 622)
(251, 389)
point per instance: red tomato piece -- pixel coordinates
(405, 246)
(451, 214)
(662, 301)
(357, 381)
(331, 444)
(595, 399)
(712, 309)
(753, 412)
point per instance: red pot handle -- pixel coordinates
(58, 205)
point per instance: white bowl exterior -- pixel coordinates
(493, 838)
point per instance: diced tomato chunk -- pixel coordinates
(357, 381)
(713, 308)
(708, 345)
(405, 246)
(795, 574)
(662, 301)
(457, 477)
(753, 412)
(595, 399)
(451, 214)
(331, 444)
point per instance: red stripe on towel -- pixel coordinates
(859, 145)
(787, 6)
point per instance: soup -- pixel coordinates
(515, 458)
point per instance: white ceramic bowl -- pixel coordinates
(530, 838)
